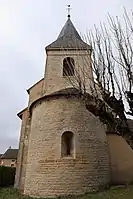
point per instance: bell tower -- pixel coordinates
(67, 58)
(67, 151)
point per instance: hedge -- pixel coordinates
(7, 176)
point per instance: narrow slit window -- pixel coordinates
(67, 144)
(68, 66)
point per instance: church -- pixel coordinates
(64, 149)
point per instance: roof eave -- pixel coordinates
(28, 90)
(20, 114)
(68, 49)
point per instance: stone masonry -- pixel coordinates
(42, 171)
(52, 174)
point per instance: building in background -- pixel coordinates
(9, 158)
(0, 158)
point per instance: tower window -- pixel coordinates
(67, 144)
(68, 66)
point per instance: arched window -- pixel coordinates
(67, 144)
(68, 66)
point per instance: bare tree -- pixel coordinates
(123, 36)
(111, 90)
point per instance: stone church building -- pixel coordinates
(64, 149)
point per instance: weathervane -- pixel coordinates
(69, 8)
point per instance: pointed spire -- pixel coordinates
(68, 38)
(69, 30)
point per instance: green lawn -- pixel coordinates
(117, 193)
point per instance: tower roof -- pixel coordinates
(68, 38)
(69, 30)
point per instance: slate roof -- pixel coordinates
(68, 38)
(10, 154)
(69, 30)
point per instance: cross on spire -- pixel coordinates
(68, 9)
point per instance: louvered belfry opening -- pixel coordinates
(68, 66)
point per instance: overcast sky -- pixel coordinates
(26, 27)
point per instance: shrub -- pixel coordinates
(7, 176)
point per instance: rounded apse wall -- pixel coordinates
(67, 152)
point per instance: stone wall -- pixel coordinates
(121, 160)
(22, 153)
(8, 162)
(54, 79)
(47, 173)
(36, 91)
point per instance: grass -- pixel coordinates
(116, 193)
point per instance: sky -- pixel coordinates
(26, 27)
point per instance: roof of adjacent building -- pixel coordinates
(34, 85)
(68, 38)
(10, 154)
